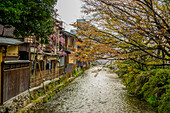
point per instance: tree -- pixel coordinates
(137, 30)
(29, 17)
(92, 47)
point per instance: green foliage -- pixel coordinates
(74, 73)
(153, 86)
(141, 79)
(29, 17)
(164, 103)
(156, 84)
(31, 111)
(59, 88)
(152, 100)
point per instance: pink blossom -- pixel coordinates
(51, 36)
(60, 53)
(57, 27)
(62, 40)
(51, 53)
(36, 41)
(57, 23)
(54, 36)
(65, 53)
(50, 42)
(41, 51)
(43, 48)
(38, 47)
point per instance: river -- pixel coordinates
(103, 93)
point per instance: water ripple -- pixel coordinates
(101, 94)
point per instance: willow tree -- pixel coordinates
(136, 30)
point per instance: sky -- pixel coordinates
(69, 11)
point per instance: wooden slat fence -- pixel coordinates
(15, 79)
(35, 80)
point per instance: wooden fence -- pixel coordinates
(35, 79)
(15, 79)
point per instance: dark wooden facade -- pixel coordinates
(15, 78)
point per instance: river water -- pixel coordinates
(103, 93)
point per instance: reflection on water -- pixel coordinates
(101, 94)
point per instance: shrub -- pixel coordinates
(153, 86)
(164, 103)
(156, 86)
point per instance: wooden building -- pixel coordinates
(69, 47)
(49, 63)
(14, 72)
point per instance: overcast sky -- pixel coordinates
(69, 11)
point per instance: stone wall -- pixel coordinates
(20, 101)
(15, 103)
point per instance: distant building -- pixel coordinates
(81, 20)
(72, 31)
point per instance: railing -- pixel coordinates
(36, 80)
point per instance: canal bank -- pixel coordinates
(39, 95)
(89, 93)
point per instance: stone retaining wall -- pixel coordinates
(15, 103)
(20, 101)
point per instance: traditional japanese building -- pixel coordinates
(14, 68)
(69, 47)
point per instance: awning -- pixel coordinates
(16, 61)
(68, 34)
(52, 57)
(9, 41)
(49, 54)
(45, 53)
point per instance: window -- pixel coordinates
(48, 65)
(62, 60)
(69, 41)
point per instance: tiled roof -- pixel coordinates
(9, 41)
(68, 34)
(7, 32)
